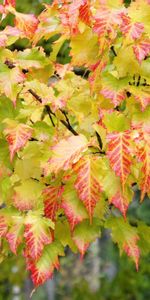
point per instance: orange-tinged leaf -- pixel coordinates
(144, 100)
(10, 80)
(66, 153)
(106, 21)
(126, 237)
(8, 36)
(131, 30)
(27, 195)
(88, 184)
(121, 202)
(37, 234)
(81, 245)
(3, 226)
(72, 12)
(85, 13)
(17, 136)
(43, 269)
(52, 200)
(10, 2)
(73, 207)
(119, 153)
(142, 49)
(132, 250)
(116, 96)
(15, 234)
(143, 155)
(85, 233)
(26, 23)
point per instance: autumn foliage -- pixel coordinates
(73, 148)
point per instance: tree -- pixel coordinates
(75, 137)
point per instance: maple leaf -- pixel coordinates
(26, 23)
(126, 237)
(90, 50)
(10, 2)
(8, 36)
(132, 250)
(45, 93)
(88, 184)
(52, 200)
(9, 81)
(31, 58)
(15, 233)
(121, 202)
(66, 153)
(84, 234)
(37, 234)
(27, 195)
(131, 30)
(17, 136)
(113, 89)
(143, 154)
(141, 50)
(119, 153)
(72, 12)
(144, 100)
(85, 13)
(72, 206)
(3, 225)
(43, 269)
(106, 22)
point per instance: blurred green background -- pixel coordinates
(102, 275)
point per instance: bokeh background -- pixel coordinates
(102, 274)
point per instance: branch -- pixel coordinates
(48, 110)
(67, 123)
(50, 113)
(100, 143)
(38, 98)
(99, 140)
(113, 50)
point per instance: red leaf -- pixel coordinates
(141, 50)
(27, 24)
(116, 96)
(40, 276)
(132, 250)
(66, 153)
(10, 2)
(43, 269)
(85, 13)
(143, 154)
(4, 36)
(119, 153)
(131, 30)
(73, 207)
(81, 245)
(37, 235)
(52, 198)
(17, 136)
(106, 21)
(121, 202)
(15, 234)
(3, 226)
(88, 184)
(143, 100)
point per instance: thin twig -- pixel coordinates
(99, 140)
(50, 113)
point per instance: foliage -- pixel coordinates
(73, 148)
